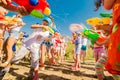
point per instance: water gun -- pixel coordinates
(36, 8)
(51, 30)
(93, 36)
(98, 21)
(106, 15)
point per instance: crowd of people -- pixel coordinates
(46, 39)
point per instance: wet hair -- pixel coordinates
(97, 4)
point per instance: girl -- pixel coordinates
(31, 45)
(77, 50)
(83, 49)
(2, 29)
(47, 46)
(112, 64)
(55, 48)
(98, 49)
(63, 48)
(13, 35)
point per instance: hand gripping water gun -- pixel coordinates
(89, 34)
(36, 8)
(93, 36)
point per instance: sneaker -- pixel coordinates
(42, 68)
(30, 75)
(17, 62)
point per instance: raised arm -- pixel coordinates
(39, 26)
(103, 43)
(108, 4)
(7, 5)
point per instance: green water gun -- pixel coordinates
(92, 35)
(106, 15)
(51, 30)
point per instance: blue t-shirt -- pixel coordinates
(78, 40)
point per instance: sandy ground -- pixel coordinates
(57, 72)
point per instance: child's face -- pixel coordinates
(3, 11)
(45, 23)
(19, 16)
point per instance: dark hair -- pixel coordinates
(97, 4)
(19, 15)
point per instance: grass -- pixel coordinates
(70, 48)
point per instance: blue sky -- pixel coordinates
(66, 12)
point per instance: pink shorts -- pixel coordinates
(98, 51)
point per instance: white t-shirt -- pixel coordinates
(84, 41)
(36, 38)
(63, 43)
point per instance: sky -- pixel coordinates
(66, 12)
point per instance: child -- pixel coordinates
(63, 48)
(99, 66)
(77, 50)
(83, 49)
(98, 50)
(2, 29)
(55, 48)
(13, 35)
(46, 46)
(113, 61)
(31, 44)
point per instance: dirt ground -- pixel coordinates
(56, 72)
